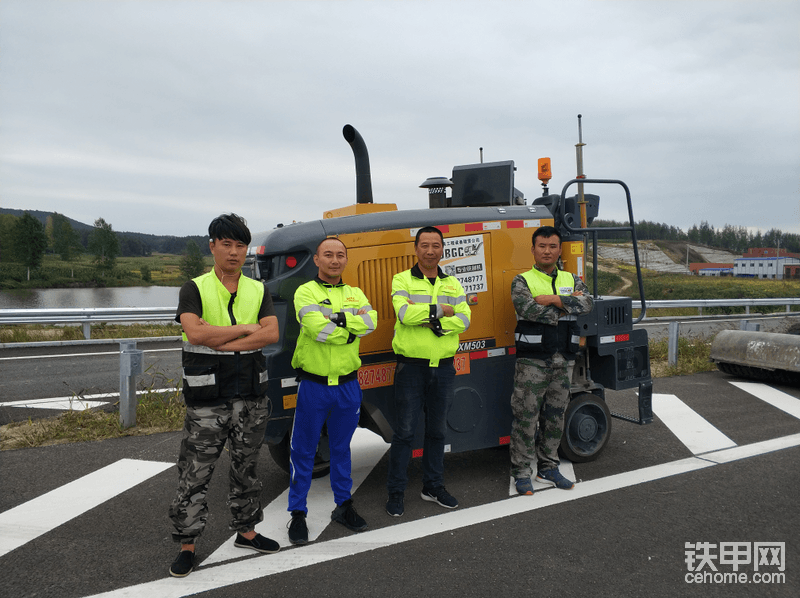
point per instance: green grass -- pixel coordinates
(156, 412)
(162, 270)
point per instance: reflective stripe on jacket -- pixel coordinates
(211, 376)
(416, 301)
(541, 341)
(324, 349)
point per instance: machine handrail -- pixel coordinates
(594, 230)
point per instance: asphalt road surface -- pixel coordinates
(703, 502)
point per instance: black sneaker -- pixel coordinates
(394, 506)
(259, 544)
(440, 496)
(298, 530)
(183, 565)
(346, 514)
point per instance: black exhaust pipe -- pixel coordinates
(363, 176)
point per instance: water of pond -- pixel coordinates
(113, 297)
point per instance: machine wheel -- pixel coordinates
(587, 427)
(322, 461)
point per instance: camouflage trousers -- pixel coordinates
(240, 422)
(538, 402)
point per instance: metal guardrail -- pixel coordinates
(86, 316)
(701, 303)
(96, 315)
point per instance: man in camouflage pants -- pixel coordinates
(547, 301)
(227, 319)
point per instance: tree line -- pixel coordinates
(736, 239)
(25, 240)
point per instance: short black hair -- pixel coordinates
(428, 229)
(316, 251)
(229, 226)
(546, 232)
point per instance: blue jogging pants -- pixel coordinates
(340, 407)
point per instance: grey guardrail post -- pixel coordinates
(130, 365)
(672, 347)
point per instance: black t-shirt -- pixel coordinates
(189, 302)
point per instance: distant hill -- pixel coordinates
(131, 244)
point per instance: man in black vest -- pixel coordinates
(547, 301)
(227, 319)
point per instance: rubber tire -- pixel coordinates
(281, 453)
(587, 428)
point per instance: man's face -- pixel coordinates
(331, 259)
(229, 255)
(429, 250)
(546, 251)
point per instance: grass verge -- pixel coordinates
(164, 411)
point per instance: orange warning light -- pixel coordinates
(544, 170)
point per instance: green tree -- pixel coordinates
(103, 244)
(192, 263)
(7, 223)
(66, 240)
(29, 241)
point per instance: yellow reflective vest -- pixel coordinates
(211, 376)
(416, 301)
(326, 351)
(541, 341)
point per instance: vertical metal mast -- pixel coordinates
(581, 198)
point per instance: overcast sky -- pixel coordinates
(159, 115)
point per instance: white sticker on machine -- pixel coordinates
(464, 259)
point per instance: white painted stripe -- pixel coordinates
(23, 357)
(59, 403)
(366, 448)
(210, 578)
(773, 396)
(44, 513)
(75, 403)
(752, 450)
(691, 429)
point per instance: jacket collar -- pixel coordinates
(553, 274)
(417, 273)
(318, 280)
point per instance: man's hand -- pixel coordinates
(447, 309)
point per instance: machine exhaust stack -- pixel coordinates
(363, 175)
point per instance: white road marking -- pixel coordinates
(773, 396)
(691, 429)
(210, 578)
(46, 512)
(74, 403)
(23, 357)
(366, 448)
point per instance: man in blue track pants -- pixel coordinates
(333, 317)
